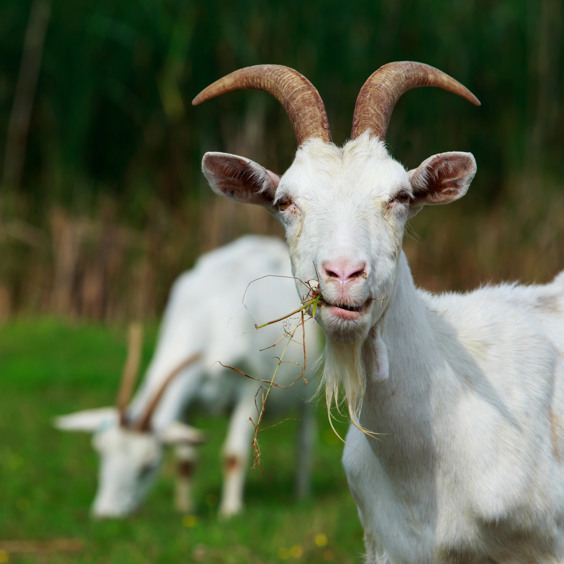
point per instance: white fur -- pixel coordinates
(206, 314)
(457, 451)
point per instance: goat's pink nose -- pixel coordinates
(344, 269)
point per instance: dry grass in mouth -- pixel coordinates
(306, 312)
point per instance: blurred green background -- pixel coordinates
(48, 478)
(100, 148)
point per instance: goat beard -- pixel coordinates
(344, 377)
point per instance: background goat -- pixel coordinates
(455, 452)
(205, 323)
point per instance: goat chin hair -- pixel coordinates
(344, 378)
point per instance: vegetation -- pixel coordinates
(49, 477)
(101, 187)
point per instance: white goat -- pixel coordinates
(456, 450)
(205, 323)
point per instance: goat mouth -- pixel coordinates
(345, 311)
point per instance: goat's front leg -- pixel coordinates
(307, 431)
(186, 459)
(235, 454)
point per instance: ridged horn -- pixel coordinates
(295, 92)
(379, 94)
(130, 370)
(143, 424)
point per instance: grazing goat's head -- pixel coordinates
(130, 452)
(344, 209)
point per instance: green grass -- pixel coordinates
(48, 478)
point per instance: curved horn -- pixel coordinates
(130, 370)
(379, 94)
(300, 99)
(143, 424)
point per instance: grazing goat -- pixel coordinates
(205, 324)
(456, 449)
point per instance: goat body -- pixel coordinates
(455, 454)
(206, 320)
(468, 466)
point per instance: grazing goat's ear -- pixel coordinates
(240, 179)
(441, 179)
(88, 420)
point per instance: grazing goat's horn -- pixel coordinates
(384, 87)
(130, 370)
(300, 99)
(143, 424)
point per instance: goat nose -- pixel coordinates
(344, 269)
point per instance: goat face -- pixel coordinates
(129, 456)
(129, 463)
(344, 211)
(344, 229)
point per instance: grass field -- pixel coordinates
(48, 478)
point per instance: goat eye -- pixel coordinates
(402, 197)
(283, 204)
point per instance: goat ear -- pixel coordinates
(180, 433)
(441, 179)
(88, 420)
(240, 179)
